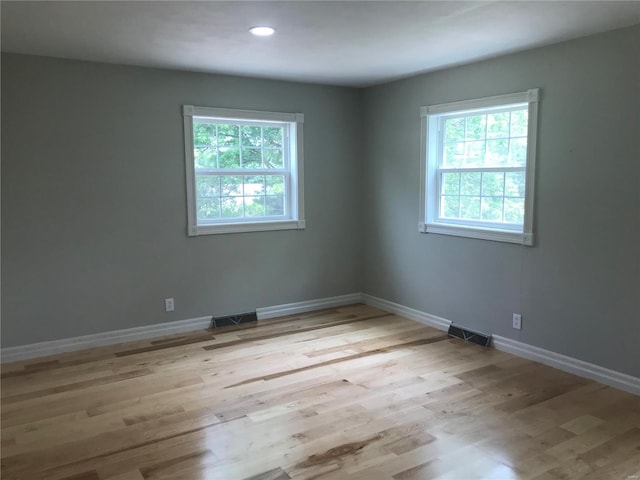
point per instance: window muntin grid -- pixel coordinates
(481, 173)
(241, 170)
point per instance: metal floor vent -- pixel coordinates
(237, 319)
(469, 335)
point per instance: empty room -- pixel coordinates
(271, 240)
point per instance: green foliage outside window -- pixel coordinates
(221, 146)
(480, 141)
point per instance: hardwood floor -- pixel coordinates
(350, 393)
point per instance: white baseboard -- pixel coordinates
(572, 365)
(410, 313)
(561, 362)
(265, 313)
(34, 350)
(588, 370)
(53, 347)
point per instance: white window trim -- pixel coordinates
(428, 164)
(296, 218)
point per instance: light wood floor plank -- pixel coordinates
(349, 393)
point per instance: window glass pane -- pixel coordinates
(231, 185)
(273, 158)
(470, 183)
(514, 210)
(498, 125)
(497, 152)
(476, 127)
(254, 206)
(273, 136)
(204, 134)
(208, 208)
(470, 208)
(514, 184)
(518, 151)
(274, 205)
(492, 184)
(519, 123)
(205, 157)
(450, 183)
(231, 207)
(454, 130)
(229, 157)
(453, 155)
(252, 157)
(251, 136)
(254, 185)
(449, 206)
(275, 185)
(491, 209)
(228, 135)
(207, 186)
(474, 156)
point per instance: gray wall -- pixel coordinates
(94, 214)
(94, 207)
(578, 289)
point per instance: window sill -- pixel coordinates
(479, 233)
(245, 227)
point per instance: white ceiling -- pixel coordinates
(334, 42)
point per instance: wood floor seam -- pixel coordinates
(233, 343)
(356, 356)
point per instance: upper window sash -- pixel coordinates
(241, 171)
(466, 113)
(480, 169)
(227, 121)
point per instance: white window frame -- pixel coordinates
(431, 148)
(293, 170)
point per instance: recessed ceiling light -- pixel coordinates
(262, 31)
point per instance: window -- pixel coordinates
(478, 159)
(244, 170)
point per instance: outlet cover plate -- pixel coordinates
(169, 306)
(517, 321)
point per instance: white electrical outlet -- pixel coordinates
(169, 305)
(517, 321)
